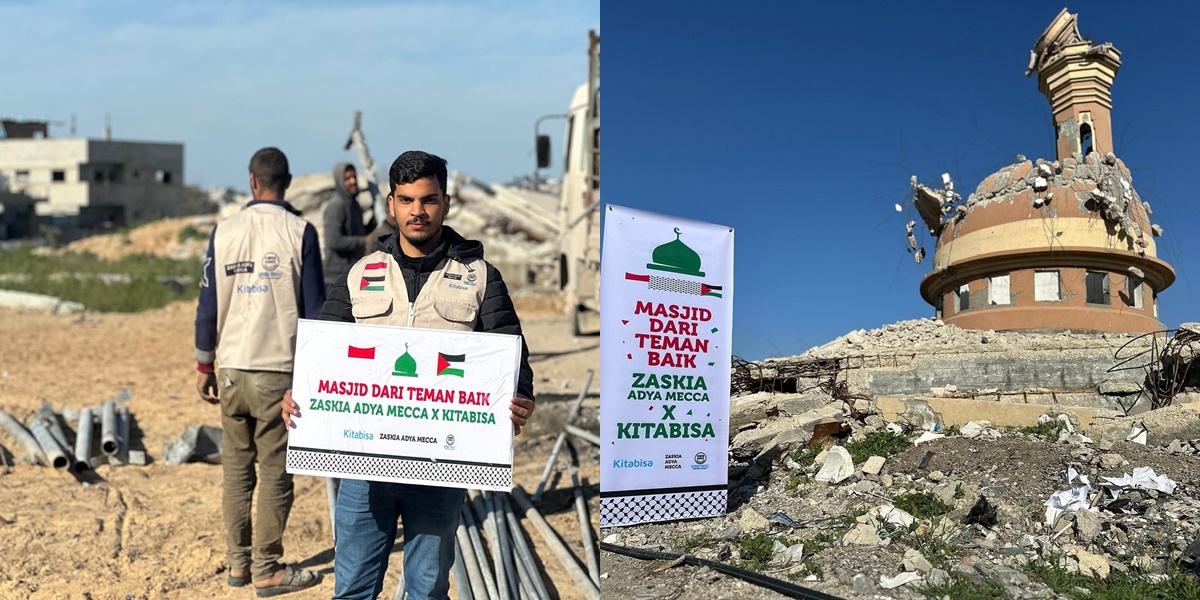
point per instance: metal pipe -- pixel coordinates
(108, 428)
(16, 431)
(461, 582)
(50, 446)
(585, 522)
(331, 491)
(525, 554)
(571, 416)
(123, 426)
(583, 434)
(46, 413)
(489, 581)
(466, 553)
(506, 551)
(489, 529)
(83, 440)
(561, 552)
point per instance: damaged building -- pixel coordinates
(1061, 244)
(90, 183)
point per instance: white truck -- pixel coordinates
(579, 202)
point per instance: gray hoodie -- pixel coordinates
(344, 228)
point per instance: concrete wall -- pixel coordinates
(135, 180)
(1051, 371)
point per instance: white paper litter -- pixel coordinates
(889, 583)
(1137, 434)
(1143, 478)
(1072, 499)
(890, 514)
(928, 436)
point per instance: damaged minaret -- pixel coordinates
(1061, 244)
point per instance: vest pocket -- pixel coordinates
(371, 309)
(455, 311)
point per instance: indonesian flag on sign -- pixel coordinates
(450, 364)
(372, 280)
(353, 352)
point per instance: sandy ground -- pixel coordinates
(155, 531)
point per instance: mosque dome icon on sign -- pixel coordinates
(676, 257)
(406, 365)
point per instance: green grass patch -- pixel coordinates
(141, 281)
(961, 588)
(756, 551)
(805, 455)
(703, 540)
(877, 443)
(822, 541)
(191, 233)
(1048, 430)
(952, 430)
(1178, 585)
(922, 505)
(797, 481)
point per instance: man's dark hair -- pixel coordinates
(270, 169)
(415, 165)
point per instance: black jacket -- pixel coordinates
(344, 229)
(496, 313)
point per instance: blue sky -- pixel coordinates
(463, 80)
(799, 124)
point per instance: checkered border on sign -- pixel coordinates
(670, 284)
(631, 510)
(399, 468)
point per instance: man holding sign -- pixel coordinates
(443, 283)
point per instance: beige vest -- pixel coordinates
(449, 299)
(257, 266)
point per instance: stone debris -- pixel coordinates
(891, 583)
(838, 466)
(873, 465)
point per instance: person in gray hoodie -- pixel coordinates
(347, 238)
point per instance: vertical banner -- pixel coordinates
(666, 307)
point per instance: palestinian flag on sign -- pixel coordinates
(372, 280)
(450, 364)
(679, 286)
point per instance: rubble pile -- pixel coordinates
(932, 335)
(874, 509)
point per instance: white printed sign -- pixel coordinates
(666, 304)
(403, 404)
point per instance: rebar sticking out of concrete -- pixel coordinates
(16, 431)
(561, 552)
(562, 435)
(108, 429)
(83, 440)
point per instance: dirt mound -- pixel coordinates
(184, 237)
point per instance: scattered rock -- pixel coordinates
(913, 561)
(752, 521)
(1087, 526)
(1092, 564)
(873, 465)
(938, 577)
(1111, 460)
(838, 466)
(863, 535)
